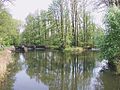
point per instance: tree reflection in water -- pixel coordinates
(7, 82)
(61, 71)
(57, 71)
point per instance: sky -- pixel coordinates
(21, 8)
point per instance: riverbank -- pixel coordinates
(114, 66)
(74, 49)
(118, 67)
(24, 48)
(5, 60)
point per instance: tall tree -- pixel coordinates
(66, 23)
(9, 32)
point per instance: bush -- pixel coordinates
(111, 43)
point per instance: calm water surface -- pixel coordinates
(53, 70)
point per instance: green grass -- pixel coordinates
(74, 49)
(53, 47)
(70, 49)
(117, 64)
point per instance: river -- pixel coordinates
(54, 70)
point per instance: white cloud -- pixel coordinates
(21, 8)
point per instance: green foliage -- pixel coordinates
(54, 27)
(111, 45)
(8, 29)
(9, 33)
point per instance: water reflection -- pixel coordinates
(60, 71)
(53, 70)
(24, 82)
(6, 83)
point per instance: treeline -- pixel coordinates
(66, 23)
(9, 31)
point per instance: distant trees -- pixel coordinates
(66, 23)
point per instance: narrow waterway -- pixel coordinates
(54, 70)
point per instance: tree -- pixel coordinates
(111, 45)
(8, 29)
(66, 23)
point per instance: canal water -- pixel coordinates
(54, 70)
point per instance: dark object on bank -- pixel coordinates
(25, 48)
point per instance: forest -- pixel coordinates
(66, 23)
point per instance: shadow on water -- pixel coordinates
(53, 70)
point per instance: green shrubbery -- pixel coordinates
(9, 27)
(111, 44)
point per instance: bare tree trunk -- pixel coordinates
(74, 5)
(62, 27)
(75, 23)
(66, 20)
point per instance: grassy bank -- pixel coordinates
(118, 67)
(74, 49)
(5, 56)
(5, 60)
(115, 66)
(69, 49)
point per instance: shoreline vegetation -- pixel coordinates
(24, 48)
(115, 67)
(74, 49)
(5, 60)
(110, 47)
(68, 49)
